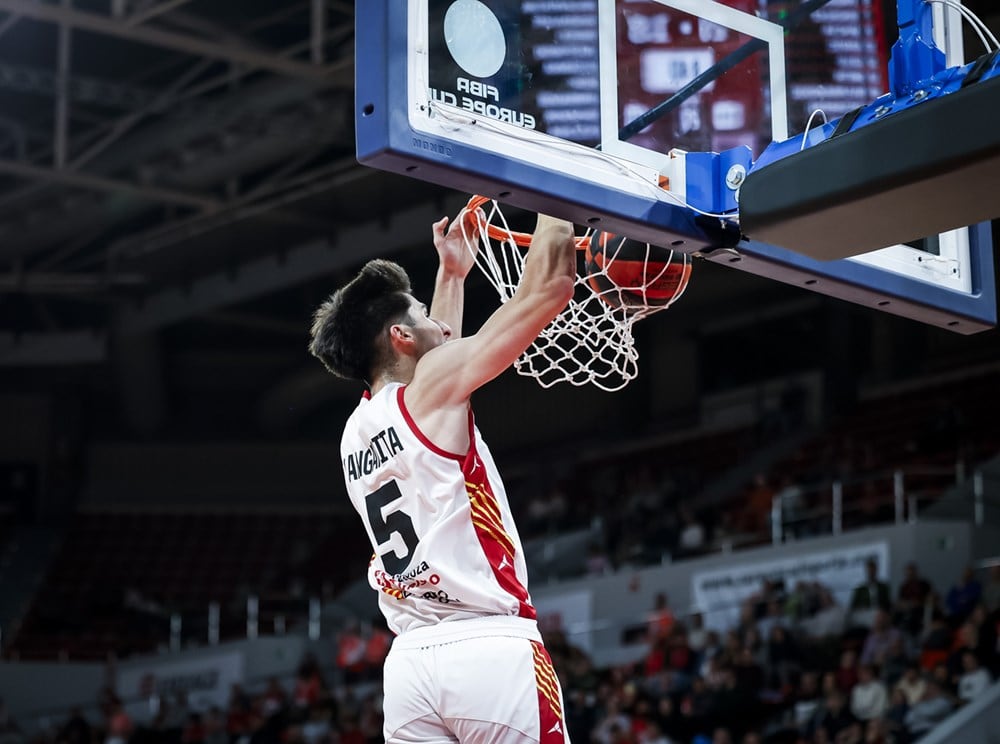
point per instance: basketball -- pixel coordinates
(634, 275)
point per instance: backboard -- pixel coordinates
(704, 126)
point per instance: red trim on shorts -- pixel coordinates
(497, 544)
(419, 434)
(551, 727)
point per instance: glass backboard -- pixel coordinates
(645, 117)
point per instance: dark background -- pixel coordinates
(128, 315)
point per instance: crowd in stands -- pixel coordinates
(799, 667)
(651, 505)
(884, 668)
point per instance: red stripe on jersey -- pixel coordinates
(419, 434)
(551, 728)
(496, 543)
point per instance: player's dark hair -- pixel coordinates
(347, 331)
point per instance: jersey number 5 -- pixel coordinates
(394, 522)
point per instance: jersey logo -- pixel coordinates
(557, 729)
(504, 563)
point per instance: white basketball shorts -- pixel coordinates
(482, 681)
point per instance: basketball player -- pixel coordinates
(468, 663)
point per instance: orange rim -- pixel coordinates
(501, 235)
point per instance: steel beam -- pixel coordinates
(260, 201)
(44, 283)
(103, 24)
(41, 349)
(86, 89)
(141, 16)
(99, 183)
(358, 243)
(8, 23)
(62, 91)
(317, 22)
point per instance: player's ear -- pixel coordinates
(400, 334)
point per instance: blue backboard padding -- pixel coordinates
(978, 309)
(385, 140)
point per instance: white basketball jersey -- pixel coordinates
(444, 539)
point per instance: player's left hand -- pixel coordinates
(456, 256)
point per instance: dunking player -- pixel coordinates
(468, 664)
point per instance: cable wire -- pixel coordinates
(654, 190)
(809, 124)
(975, 21)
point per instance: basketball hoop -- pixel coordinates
(621, 282)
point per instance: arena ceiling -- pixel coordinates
(178, 189)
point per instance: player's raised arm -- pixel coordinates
(455, 261)
(448, 374)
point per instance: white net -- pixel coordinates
(591, 341)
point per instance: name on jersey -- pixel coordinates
(383, 446)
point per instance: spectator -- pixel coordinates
(119, 724)
(597, 563)
(351, 653)
(974, 679)
(880, 639)
(896, 660)
(912, 685)
(308, 687)
(721, 735)
(869, 699)
(963, 596)
(698, 635)
(10, 732)
(759, 500)
(175, 715)
(661, 619)
(987, 647)
(876, 732)
(274, 699)
(943, 677)
(782, 658)
(317, 728)
(194, 730)
(807, 701)
(749, 674)
(913, 594)
(653, 735)
(377, 646)
(869, 596)
(774, 616)
(215, 727)
(829, 620)
(929, 711)
(76, 730)
(967, 639)
(896, 715)
(238, 715)
(350, 729)
(692, 538)
(613, 725)
(847, 672)
(835, 716)
(937, 643)
(792, 501)
(802, 601)
(991, 593)
(669, 719)
(698, 700)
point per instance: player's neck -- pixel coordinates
(401, 371)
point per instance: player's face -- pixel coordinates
(429, 333)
